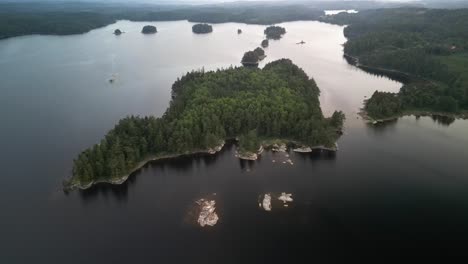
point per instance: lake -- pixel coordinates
(394, 188)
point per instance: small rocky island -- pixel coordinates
(274, 32)
(278, 102)
(149, 29)
(265, 43)
(117, 32)
(202, 28)
(239, 31)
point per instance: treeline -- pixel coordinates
(430, 45)
(278, 101)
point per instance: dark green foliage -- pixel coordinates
(260, 52)
(265, 43)
(149, 29)
(337, 119)
(447, 104)
(279, 101)
(429, 45)
(274, 32)
(249, 142)
(383, 105)
(250, 58)
(202, 28)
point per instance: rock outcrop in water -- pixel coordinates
(265, 43)
(117, 32)
(149, 29)
(207, 215)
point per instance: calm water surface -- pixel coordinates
(391, 189)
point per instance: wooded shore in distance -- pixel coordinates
(428, 47)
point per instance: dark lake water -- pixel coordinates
(396, 188)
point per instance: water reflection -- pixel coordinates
(118, 192)
(443, 120)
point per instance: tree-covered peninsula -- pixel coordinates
(202, 28)
(426, 49)
(274, 32)
(276, 102)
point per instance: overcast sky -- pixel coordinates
(191, 1)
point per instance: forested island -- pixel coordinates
(149, 29)
(202, 28)
(274, 32)
(251, 104)
(426, 49)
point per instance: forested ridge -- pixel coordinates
(278, 101)
(430, 45)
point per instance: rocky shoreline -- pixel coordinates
(69, 186)
(364, 115)
(249, 156)
(282, 147)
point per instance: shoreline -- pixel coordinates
(417, 113)
(281, 145)
(68, 186)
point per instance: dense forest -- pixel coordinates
(431, 46)
(278, 101)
